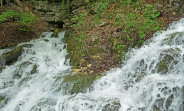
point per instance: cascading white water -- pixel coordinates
(150, 79)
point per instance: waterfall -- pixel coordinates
(150, 79)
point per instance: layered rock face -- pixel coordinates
(58, 13)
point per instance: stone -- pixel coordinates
(78, 83)
(91, 72)
(55, 33)
(89, 65)
(77, 70)
(34, 70)
(112, 106)
(1, 99)
(167, 60)
(12, 56)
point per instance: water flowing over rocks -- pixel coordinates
(150, 78)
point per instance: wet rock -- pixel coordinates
(21, 67)
(46, 40)
(112, 106)
(168, 59)
(34, 70)
(78, 83)
(1, 99)
(157, 106)
(10, 57)
(169, 101)
(176, 38)
(44, 102)
(55, 33)
(2, 67)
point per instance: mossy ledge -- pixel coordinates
(77, 83)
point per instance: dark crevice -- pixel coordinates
(56, 24)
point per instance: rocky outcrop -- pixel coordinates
(12, 56)
(58, 13)
(77, 83)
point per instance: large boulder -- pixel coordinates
(77, 83)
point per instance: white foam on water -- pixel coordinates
(150, 79)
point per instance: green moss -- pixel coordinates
(172, 37)
(13, 55)
(1, 99)
(74, 49)
(75, 60)
(24, 20)
(34, 70)
(162, 67)
(112, 106)
(78, 83)
(55, 33)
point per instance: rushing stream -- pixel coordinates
(150, 79)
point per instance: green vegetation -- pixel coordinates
(1, 98)
(78, 83)
(129, 22)
(24, 20)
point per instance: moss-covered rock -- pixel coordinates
(1, 98)
(176, 38)
(55, 33)
(21, 67)
(162, 67)
(34, 70)
(10, 57)
(167, 60)
(112, 106)
(77, 83)
(73, 48)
